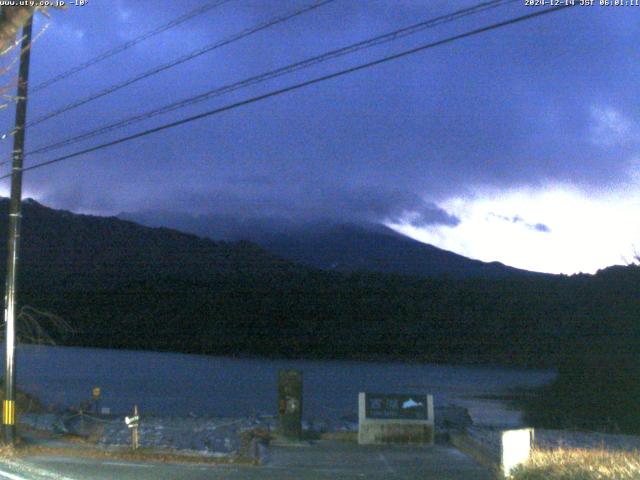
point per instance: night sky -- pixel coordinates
(520, 145)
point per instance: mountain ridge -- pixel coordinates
(344, 247)
(123, 285)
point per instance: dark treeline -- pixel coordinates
(121, 285)
(317, 314)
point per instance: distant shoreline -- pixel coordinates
(367, 358)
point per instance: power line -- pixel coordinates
(180, 60)
(7, 68)
(298, 86)
(374, 41)
(129, 44)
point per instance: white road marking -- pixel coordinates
(58, 459)
(127, 464)
(26, 468)
(11, 476)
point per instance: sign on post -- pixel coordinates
(133, 423)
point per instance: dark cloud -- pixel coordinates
(539, 227)
(355, 205)
(78, 197)
(430, 214)
(376, 204)
(503, 109)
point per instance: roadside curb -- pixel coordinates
(500, 450)
(477, 451)
(60, 447)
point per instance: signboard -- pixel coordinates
(395, 418)
(396, 406)
(132, 422)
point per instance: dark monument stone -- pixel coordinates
(290, 404)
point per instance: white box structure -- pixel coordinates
(515, 448)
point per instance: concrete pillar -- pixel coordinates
(290, 404)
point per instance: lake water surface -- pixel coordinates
(179, 384)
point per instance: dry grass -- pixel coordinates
(142, 454)
(6, 452)
(340, 436)
(579, 464)
(76, 446)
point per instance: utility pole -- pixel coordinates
(15, 206)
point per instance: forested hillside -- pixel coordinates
(123, 285)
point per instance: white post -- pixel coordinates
(515, 448)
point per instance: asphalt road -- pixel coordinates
(322, 460)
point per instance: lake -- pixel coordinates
(179, 384)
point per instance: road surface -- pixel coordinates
(322, 460)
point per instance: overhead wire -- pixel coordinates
(128, 44)
(7, 68)
(300, 85)
(218, 91)
(109, 53)
(185, 58)
(5, 88)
